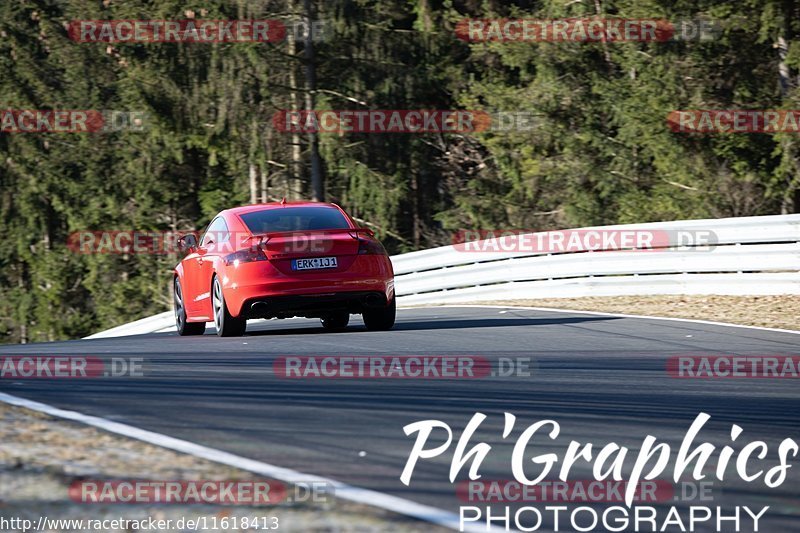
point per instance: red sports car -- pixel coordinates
(280, 260)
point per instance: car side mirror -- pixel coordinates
(368, 231)
(188, 242)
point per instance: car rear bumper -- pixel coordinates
(312, 305)
(307, 294)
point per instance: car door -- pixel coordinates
(189, 282)
(212, 246)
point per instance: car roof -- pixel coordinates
(276, 205)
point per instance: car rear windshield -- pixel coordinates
(294, 219)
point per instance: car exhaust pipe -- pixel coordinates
(259, 309)
(374, 300)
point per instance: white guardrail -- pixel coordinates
(751, 256)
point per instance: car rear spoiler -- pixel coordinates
(262, 238)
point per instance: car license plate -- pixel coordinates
(314, 263)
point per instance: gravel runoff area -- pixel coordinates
(780, 312)
(41, 456)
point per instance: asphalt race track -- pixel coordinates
(602, 378)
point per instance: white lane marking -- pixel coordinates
(601, 313)
(341, 490)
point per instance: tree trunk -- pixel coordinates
(415, 215)
(791, 197)
(317, 185)
(265, 182)
(253, 184)
(294, 177)
(23, 325)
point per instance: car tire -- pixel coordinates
(184, 327)
(380, 319)
(227, 325)
(335, 321)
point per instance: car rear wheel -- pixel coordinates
(227, 325)
(381, 319)
(335, 321)
(184, 328)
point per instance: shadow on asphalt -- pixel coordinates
(419, 325)
(494, 322)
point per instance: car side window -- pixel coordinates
(217, 232)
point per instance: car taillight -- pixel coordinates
(246, 256)
(370, 247)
